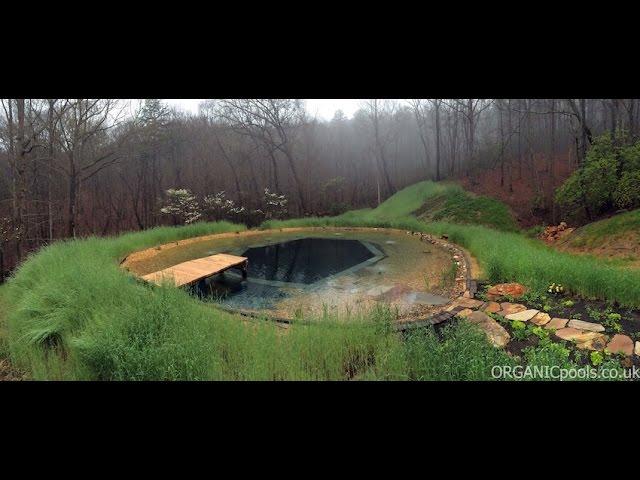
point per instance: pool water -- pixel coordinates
(311, 272)
(308, 260)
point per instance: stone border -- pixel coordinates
(467, 286)
(461, 257)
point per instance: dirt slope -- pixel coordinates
(616, 238)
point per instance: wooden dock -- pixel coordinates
(194, 270)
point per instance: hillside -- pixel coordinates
(526, 188)
(616, 238)
(446, 202)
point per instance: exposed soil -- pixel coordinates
(8, 372)
(525, 184)
(624, 247)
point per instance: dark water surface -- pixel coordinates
(306, 260)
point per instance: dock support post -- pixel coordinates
(244, 270)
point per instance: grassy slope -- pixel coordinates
(3, 323)
(455, 205)
(444, 202)
(504, 256)
(617, 237)
(73, 314)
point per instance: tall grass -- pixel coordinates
(74, 314)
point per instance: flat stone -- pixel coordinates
(495, 332)
(582, 325)
(523, 316)
(637, 350)
(505, 289)
(509, 308)
(557, 323)
(478, 317)
(379, 290)
(464, 313)
(492, 307)
(620, 344)
(468, 302)
(541, 319)
(594, 341)
(568, 333)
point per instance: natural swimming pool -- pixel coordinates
(310, 272)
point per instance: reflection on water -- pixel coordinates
(233, 292)
(306, 260)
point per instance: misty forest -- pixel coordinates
(507, 226)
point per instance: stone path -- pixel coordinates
(495, 332)
(584, 335)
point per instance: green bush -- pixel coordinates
(608, 179)
(627, 194)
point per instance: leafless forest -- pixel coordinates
(77, 167)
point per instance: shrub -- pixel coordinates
(608, 178)
(627, 193)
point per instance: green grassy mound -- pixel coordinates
(623, 229)
(451, 203)
(427, 201)
(446, 202)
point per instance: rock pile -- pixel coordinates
(584, 335)
(554, 233)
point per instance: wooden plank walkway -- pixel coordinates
(194, 270)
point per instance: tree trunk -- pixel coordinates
(297, 180)
(437, 108)
(21, 182)
(73, 202)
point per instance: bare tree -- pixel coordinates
(420, 113)
(273, 122)
(376, 110)
(83, 138)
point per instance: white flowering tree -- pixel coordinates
(182, 205)
(218, 207)
(275, 205)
